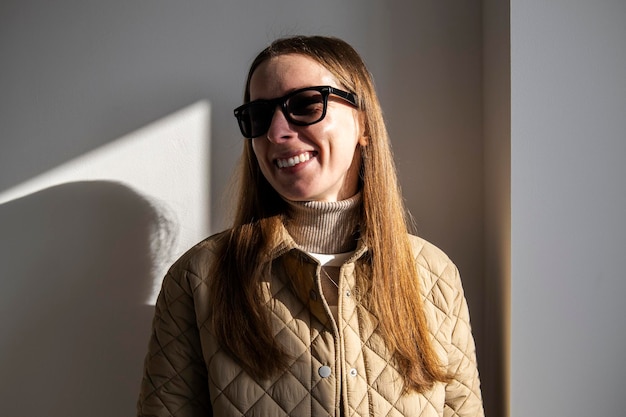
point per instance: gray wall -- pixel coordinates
(568, 141)
(497, 213)
(76, 75)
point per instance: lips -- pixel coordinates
(294, 160)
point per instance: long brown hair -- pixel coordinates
(393, 296)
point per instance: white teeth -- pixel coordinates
(293, 161)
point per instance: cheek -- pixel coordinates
(344, 146)
(259, 149)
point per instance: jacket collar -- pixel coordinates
(283, 243)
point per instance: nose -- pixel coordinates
(280, 129)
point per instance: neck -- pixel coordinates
(324, 227)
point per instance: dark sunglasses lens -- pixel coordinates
(306, 107)
(255, 120)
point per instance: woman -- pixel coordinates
(317, 301)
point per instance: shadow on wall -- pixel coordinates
(76, 264)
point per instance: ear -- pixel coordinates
(363, 138)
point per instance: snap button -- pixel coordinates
(353, 372)
(348, 293)
(313, 295)
(324, 371)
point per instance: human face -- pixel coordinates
(328, 167)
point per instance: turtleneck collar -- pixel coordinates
(323, 226)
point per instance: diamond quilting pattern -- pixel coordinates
(185, 363)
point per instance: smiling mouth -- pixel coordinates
(294, 160)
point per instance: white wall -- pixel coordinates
(77, 75)
(568, 91)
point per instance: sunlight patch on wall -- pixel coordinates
(165, 162)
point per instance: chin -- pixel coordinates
(299, 196)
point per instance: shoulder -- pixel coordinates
(439, 276)
(429, 256)
(198, 259)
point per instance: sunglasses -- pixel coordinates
(302, 107)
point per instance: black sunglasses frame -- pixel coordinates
(281, 102)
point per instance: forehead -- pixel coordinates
(279, 75)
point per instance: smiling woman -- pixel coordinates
(317, 301)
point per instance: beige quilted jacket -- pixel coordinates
(340, 368)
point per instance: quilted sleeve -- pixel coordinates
(175, 377)
(463, 397)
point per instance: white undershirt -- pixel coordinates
(331, 263)
(332, 259)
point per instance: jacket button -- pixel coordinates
(353, 372)
(348, 293)
(313, 295)
(324, 371)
